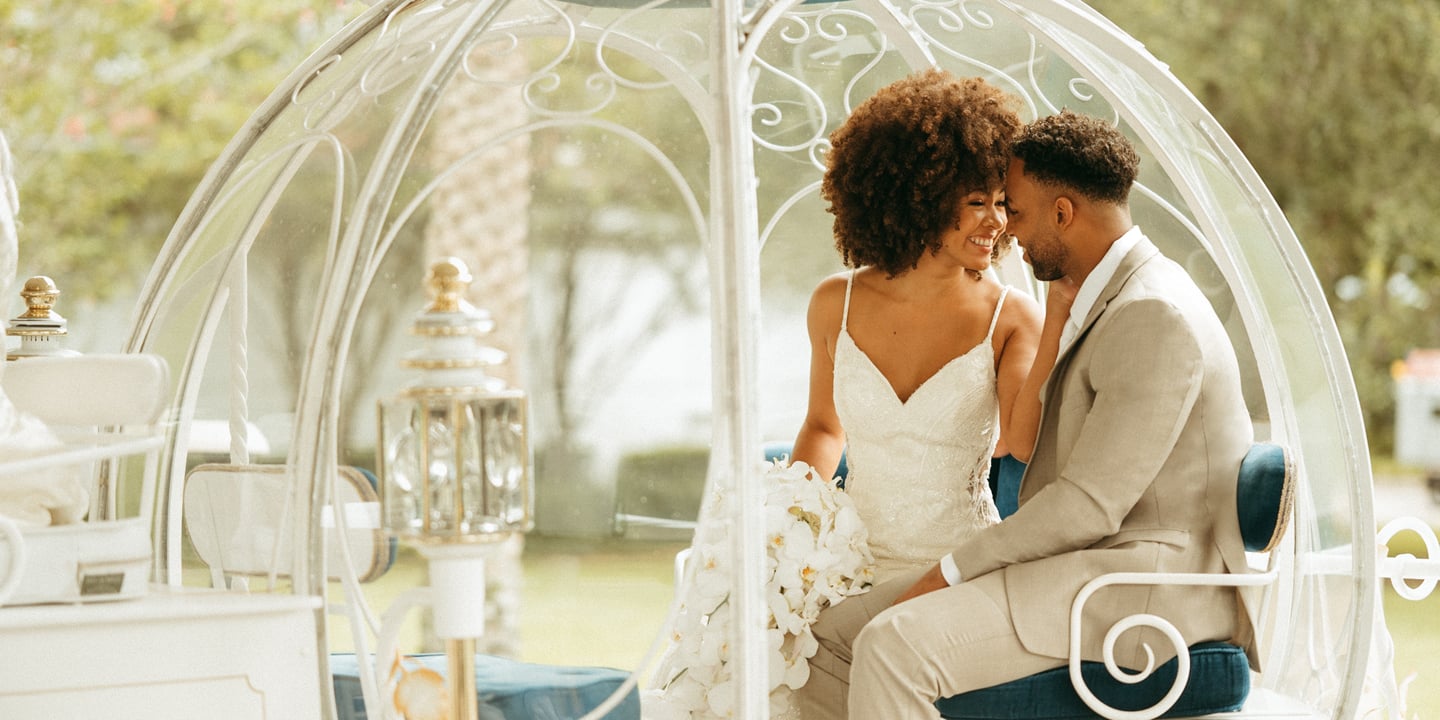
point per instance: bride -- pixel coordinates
(919, 359)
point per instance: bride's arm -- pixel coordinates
(1022, 376)
(821, 439)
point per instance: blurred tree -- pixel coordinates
(115, 110)
(598, 196)
(1335, 103)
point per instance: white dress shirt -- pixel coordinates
(1095, 282)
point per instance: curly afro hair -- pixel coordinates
(1081, 153)
(903, 159)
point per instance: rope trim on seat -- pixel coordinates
(1287, 501)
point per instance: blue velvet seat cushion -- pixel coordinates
(1219, 682)
(507, 690)
(1264, 496)
(1005, 474)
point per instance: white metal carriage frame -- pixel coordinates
(736, 68)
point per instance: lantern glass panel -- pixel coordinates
(457, 465)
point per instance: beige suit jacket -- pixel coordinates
(1134, 470)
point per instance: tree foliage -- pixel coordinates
(1335, 103)
(115, 110)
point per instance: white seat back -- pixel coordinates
(93, 411)
(89, 390)
(236, 517)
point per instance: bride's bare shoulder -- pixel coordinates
(1020, 313)
(831, 290)
(827, 302)
(1022, 301)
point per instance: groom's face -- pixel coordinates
(1032, 221)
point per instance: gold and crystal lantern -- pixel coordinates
(454, 462)
(453, 445)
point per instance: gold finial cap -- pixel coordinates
(39, 328)
(452, 329)
(446, 283)
(40, 293)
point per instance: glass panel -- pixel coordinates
(1196, 198)
(566, 164)
(1274, 310)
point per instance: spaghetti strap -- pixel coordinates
(845, 313)
(1004, 290)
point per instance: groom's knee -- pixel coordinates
(835, 630)
(882, 645)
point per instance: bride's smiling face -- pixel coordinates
(979, 223)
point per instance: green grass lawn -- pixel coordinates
(602, 603)
(1415, 627)
(594, 602)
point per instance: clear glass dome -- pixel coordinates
(635, 188)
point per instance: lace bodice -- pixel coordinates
(918, 468)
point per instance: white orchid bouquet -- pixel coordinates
(816, 556)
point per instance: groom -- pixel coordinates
(1134, 468)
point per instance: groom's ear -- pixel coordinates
(1064, 211)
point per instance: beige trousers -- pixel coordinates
(878, 662)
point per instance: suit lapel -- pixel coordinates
(1138, 255)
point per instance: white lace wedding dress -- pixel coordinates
(918, 481)
(918, 469)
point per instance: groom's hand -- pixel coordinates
(931, 581)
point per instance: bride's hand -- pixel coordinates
(1059, 296)
(931, 581)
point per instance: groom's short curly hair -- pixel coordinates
(1081, 153)
(903, 159)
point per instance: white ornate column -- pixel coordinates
(734, 248)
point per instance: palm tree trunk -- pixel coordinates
(480, 216)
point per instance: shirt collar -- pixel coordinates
(1096, 281)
